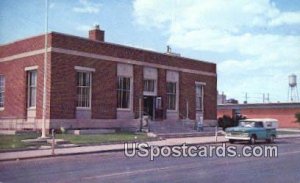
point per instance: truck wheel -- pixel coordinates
(272, 138)
(231, 141)
(252, 139)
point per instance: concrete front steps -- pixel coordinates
(180, 129)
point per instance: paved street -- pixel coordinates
(115, 167)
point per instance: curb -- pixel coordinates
(119, 149)
(99, 151)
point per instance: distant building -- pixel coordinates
(221, 98)
(283, 112)
(232, 101)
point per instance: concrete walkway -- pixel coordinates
(112, 147)
(27, 154)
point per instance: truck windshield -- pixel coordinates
(247, 124)
(250, 124)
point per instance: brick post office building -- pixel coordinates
(95, 84)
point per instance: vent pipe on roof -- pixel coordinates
(169, 52)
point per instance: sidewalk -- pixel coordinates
(103, 148)
(289, 129)
(112, 147)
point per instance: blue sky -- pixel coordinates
(256, 44)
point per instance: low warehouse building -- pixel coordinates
(95, 84)
(283, 112)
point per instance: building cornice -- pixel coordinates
(104, 57)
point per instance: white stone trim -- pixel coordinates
(87, 69)
(107, 58)
(172, 76)
(22, 55)
(129, 61)
(30, 68)
(125, 70)
(150, 73)
(83, 108)
(1, 108)
(200, 83)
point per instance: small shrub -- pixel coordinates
(297, 115)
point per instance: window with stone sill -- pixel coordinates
(84, 83)
(31, 88)
(2, 89)
(171, 95)
(123, 93)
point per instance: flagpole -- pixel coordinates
(45, 74)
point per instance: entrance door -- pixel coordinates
(148, 106)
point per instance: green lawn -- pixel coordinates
(102, 138)
(14, 141)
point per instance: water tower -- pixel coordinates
(293, 91)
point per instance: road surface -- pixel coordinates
(115, 167)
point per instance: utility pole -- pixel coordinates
(263, 97)
(45, 74)
(246, 98)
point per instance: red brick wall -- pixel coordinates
(63, 92)
(285, 116)
(187, 92)
(138, 78)
(162, 89)
(62, 77)
(15, 103)
(24, 45)
(85, 45)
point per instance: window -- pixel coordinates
(171, 95)
(259, 125)
(31, 88)
(123, 91)
(199, 97)
(149, 85)
(158, 104)
(84, 81)
(2, 86)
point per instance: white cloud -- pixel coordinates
(240, 28)
(87, 6)
(286, 18)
